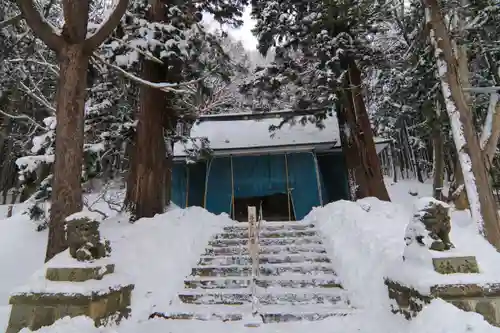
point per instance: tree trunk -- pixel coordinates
(438, 163)
(66, 186)
(491, 129)
(477, 184)
(394, 162)
(358, 185)
(435, 119)
(73, 49)
(146, 182)
(369, 158)
(147, 179)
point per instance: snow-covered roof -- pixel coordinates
(250, 133)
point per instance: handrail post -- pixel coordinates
(253, 249)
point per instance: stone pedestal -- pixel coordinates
(484, 300)
(450, 265)
(35, 310)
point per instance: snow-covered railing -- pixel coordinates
(253, 249)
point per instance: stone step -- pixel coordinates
(264, 259)
(266, 241)
(269, 313)
(269, 234)
(271, 249)
(292, 296)
(271, 226)
(265, 270)
(293, 281)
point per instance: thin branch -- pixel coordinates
(482, 90)
(11, 21)
(24, 117)
(107, 27)
(39, 25)
(163, 86)
(39, 99)
(52, 67)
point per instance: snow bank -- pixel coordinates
(363, 245)
(158, 253)
(366, 241)
(72, 325)
(154, 253)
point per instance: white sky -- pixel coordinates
(243, 33)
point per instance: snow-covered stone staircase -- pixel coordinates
(296, 282)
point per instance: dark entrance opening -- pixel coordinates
(274, 207)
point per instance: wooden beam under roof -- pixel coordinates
(258, 115)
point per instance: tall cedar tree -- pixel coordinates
(321, 49)
(73, 49)
(171, 41)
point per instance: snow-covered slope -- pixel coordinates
(159, 253)
(155, 253)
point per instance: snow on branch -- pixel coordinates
(488, 124)
(107, 26)
(482, 90)
(10, 21)
(163, 86)
(148, 55)
(23, 116)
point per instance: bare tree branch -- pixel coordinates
(164, 86)
(39, 25)
(107, 27)
(482, 90)
(11, 21)
(23, 116)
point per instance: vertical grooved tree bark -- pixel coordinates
(148, 159)
(66, 187)
(370, 164)
(74, 50)
(438, 154)
(147, 179)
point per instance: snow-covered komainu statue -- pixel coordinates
(84, 238)
(430, 225)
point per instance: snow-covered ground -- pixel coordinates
(365, 246)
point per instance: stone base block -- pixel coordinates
(78, 274)
(484, 300)
(450, 265)
(35, 310)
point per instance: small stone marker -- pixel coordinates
(450, 265)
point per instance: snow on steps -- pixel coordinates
(290, 281)
(273, 249)
(270, 313)
(296, 282)
(263, 259)
(265, 241)
(271, 226)
(265, 270)
(269, 296)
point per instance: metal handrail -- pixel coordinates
(254, 225)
